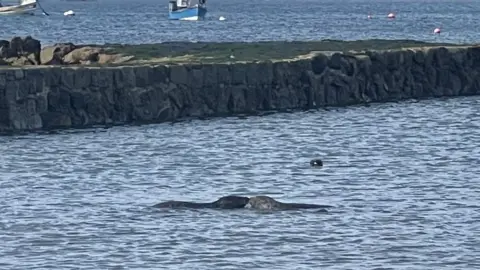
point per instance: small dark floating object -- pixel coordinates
(316, 163)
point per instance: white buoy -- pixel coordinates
(437, 31)
(221, 18)
(369, 16)
(69, 13)
(391, 15)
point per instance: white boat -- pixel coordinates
(23, 7)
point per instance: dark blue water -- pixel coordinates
(145, 21)
(403, 179)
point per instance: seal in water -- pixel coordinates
(268, 203)
(316, 163)
(226, 202)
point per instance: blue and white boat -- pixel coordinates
(186, 10)
(23, 7)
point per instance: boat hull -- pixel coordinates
(19, 9)
(188, 14)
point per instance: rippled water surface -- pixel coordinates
(145, 21)
(403, 179)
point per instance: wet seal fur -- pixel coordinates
(226, 202)
(316, 163)
(268, 203)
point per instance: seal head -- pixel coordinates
(316, 163)
(262, 203)
(268, 203)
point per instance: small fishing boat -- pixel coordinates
(186, 10)
(23, 7)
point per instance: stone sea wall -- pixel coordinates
(33, 98)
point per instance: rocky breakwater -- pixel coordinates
(82, 96)
(28, 52)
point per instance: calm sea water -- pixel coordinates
(403, 179)
(145, 21)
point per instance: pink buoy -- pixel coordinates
(391, 15)
(437, 31)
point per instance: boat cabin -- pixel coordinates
(181, 4)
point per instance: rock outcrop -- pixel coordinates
(28, 51)
(82, 96)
